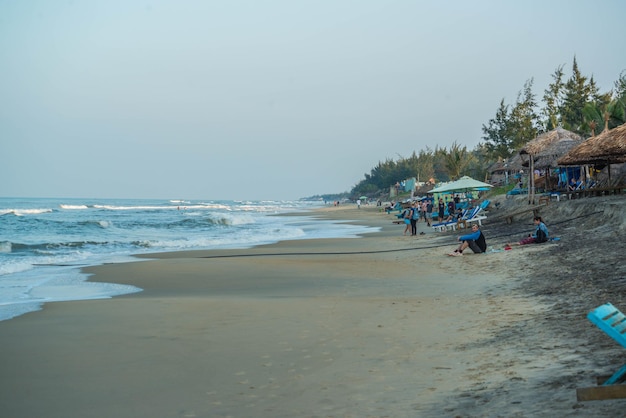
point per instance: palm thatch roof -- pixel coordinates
(538, 145)
(549, 156)
(609, 148)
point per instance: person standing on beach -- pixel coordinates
(358, 204)
(451, 207)
(475, 241)
(415, 215)
(442, 209)
(424, 207)
(406, 218)
(429, 206)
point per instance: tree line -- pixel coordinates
(575, 104)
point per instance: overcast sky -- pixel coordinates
(268, 99)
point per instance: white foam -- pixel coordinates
(23, 212)
(6, 247)
(26, 292)
(73, 207)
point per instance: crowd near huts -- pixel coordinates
(554, 163)
(561, 161)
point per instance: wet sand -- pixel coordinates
(384, 325)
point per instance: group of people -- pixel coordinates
(475, 240)
(441, 207)
(413, 214)
(478, 244)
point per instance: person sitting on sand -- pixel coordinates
(540, 235)
(474, 240)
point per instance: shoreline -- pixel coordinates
(380, 325)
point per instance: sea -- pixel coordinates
(44, 242)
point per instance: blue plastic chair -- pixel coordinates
(610, 320)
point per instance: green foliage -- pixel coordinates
(576, 94)
(524, 122)
(456, 160)
(497, 134)
(513, 126)
(499, 190)
(575, 104)
(553, 99)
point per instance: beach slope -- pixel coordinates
(383, 325)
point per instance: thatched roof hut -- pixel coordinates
(607, 148)
(549, 156)
(546, 147)
(550, 141)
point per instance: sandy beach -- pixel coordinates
(383, 325)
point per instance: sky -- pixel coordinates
(268, 99)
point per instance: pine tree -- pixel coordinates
(577, 93)
(523, 121)
(497, 134)
(553, 99)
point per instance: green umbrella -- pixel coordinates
(463, 184)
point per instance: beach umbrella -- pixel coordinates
(464, 184)
(363, 197)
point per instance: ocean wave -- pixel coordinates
(6, 247)
(100, 224)
(230, 219)
(23, 212)
(157, 208)
(131, 208)
(73, 207)
(212, 206)
(52, 247)
(12, 267)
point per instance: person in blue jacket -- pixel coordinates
(475, 241)
(540, 235)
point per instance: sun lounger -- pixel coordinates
(474, 217)
(467, 217)
(397, 206)
(610, 320)
(442, 226)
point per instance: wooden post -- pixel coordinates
(531, 182)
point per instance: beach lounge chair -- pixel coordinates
(397, 206)
(610, 320)
(467, 217)
(442, 226)
(474, 216)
